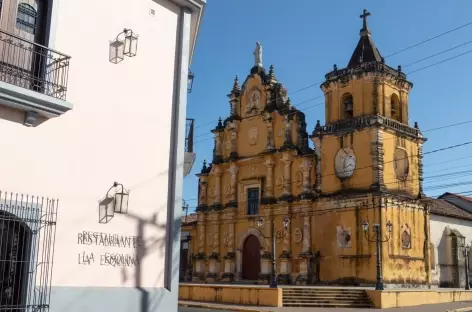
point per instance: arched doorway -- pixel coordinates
(251, 266)
(15, 249)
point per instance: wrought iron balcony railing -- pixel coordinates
(189, 135)
(32, 66)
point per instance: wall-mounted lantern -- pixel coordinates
(125, 43)
(113, 203)
(190, 81)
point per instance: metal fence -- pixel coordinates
(32, 66)
(27, 237)
(189, 135)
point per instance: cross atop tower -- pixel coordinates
(364, 16)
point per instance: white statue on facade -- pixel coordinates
(258, 54)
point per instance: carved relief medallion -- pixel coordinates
(345, 163)
(213, 191)
(343, 236)
(226, 239)
(228, 143)
(401, 164)
(255, 99)
(279, 182)
(227, 190)
(406, 237)
(279, 235)
(253, 134)
(297, 235)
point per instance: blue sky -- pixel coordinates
(303, 41)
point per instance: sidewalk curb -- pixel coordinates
(203, 305)
(469, 309)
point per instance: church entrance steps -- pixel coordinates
(325, 297)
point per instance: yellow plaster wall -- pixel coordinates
(411, 184)
(362, 177)
(406, 298)
(244, 147)
(405, 265)
(362, 93)
(238, 295)
(356, 261)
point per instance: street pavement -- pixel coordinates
(424, 308)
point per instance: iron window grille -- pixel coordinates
(27, 237)
(26, 18)
(253, 201)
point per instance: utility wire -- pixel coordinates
(429, 39)
(395, 53)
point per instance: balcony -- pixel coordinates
(33, 81)
(189, 157)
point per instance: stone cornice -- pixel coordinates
(363, 122)
(367, 69)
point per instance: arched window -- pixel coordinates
(26, 18)
(348, 105)
(395, 107)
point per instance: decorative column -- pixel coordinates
(269, 186)
(200, 257)
(316, 138)
(234, 98)
(305, 276)
(420, 160)
(233, 126)
(285, 258)
(214, 258)
(270, 133)
(287, 159)
(202, 189)
(217, 150)
(216, 172)
(233, 200)
(306, 168)
(377, 152)
(288, 142)
(230, 257)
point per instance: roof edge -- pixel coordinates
(197, 7)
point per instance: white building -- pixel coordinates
(73, 123)
(451, 232)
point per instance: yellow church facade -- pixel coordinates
(364, 173)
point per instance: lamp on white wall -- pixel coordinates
(125, 44)
(113, 203)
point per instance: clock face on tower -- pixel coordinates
(345, 163)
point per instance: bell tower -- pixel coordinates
(367, 142)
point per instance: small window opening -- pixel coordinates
(396, 112)
(253, 201)
(348, 103)
(26, 18)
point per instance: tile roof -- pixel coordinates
(189, 219)
(443, 208)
